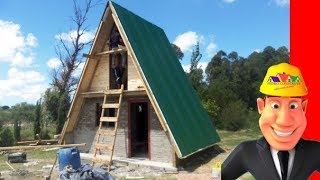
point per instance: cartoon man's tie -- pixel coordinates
(283, 158)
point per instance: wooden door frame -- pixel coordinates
(132, 101)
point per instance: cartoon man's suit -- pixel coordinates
(255, 157)
(282, 123)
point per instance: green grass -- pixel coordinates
(27, 131)
(40, 157)
(230, 140)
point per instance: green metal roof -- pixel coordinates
(187, 120)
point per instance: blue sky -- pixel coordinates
(29, 31)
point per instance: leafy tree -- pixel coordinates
(17, 129)
(196, 73)
(5, 107)
(211, 107)
(177, 51)
(234, 116)
(6, 138)
(22, 112)
(62, 111)
(233, 84)
(218, 67)
(37, 124)
(5, 116)
(51, 103)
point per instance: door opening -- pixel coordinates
(139, 146)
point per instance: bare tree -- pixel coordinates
(69, 51)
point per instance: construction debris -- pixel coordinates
(10, 165)
(19, 157)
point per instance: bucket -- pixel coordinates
(69, 156)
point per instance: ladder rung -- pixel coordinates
(107, 132)
(100, 160)
(113, 91)
(104, 146)
(109, 119)
(110, 105)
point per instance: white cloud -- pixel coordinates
(53, 63)
(78, 71)
(71, 35)
(31, 40)
(202, 65)
(16, 48)
(211, 49)
(186, 67)
(187, 41)
(19, 59)
(257, 50)
(282, 2)
(228, 1)
(27, 85)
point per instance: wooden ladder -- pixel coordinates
(109, 132)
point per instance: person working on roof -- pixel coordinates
(118, 72)
(118, 68)
(281, 154)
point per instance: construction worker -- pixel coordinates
(281, 154)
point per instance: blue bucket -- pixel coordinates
(69, 156)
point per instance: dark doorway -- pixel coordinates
(138, 130)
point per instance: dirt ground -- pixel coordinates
(197, 167)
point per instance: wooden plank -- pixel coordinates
(104, 146)
(107, 132)
(100, 160)
(108, 119)
(38, 147)
(90, 56)
(111, 51)
(111, 105)
(113, 91)
(33, 142)
(94, 94)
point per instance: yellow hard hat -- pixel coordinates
(283, 80)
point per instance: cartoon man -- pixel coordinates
(281, 154)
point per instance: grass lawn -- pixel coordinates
(229, 140)
(36, 158)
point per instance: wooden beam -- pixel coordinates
(90, 56)
(94, 94)
(111, 51)
(36, 141)
(97, 55)
(38, 147)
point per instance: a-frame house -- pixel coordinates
(159, 116)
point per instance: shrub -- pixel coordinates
(234, 116)
(44, 134)
(6, 138)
